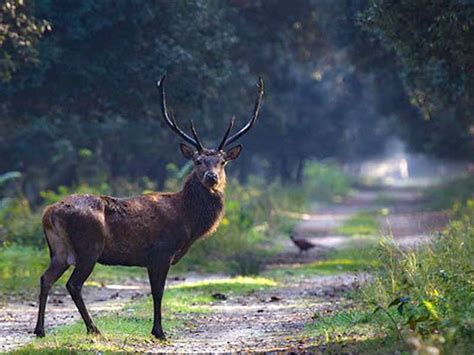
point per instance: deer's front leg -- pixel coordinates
(157, 272)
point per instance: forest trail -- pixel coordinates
(270, 320)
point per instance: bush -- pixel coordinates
(458, 190)
(325, 182)
(432, 288)
(18, 223)
(20, 268)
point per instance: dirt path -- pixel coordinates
(263, 321)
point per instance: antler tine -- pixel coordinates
(171, 121)
(226, 134)
(193, 130)
(249, 124)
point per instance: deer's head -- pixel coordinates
(209, 164)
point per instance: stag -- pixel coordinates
(154, 230)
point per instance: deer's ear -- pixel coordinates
(187, 151)
(234, 152)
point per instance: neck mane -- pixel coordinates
(204, 207)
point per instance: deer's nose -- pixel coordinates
(211, 177)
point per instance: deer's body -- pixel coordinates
(153, 230)
(129, 231)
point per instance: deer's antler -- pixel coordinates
(172, 122)
(226, 141)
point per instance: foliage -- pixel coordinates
(325, 182)
(437, 31)
(246, 236)
(20, 268)
(432, 41)
(18, 224)
(458, 190)
(71, 119)
(432, 288)
(19, 33)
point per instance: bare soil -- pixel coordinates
(269, 321)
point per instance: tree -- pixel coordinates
(435, 51)
(20, 31)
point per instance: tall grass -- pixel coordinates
(429, 292)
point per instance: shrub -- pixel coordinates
(458, 190)
(18, 224)
(432, 288)
(20, 267)
(325, 182)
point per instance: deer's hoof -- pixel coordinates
(39, 333)
(159, 334)
(93, 330)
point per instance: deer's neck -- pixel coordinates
(203, 208)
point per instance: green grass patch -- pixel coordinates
(362, 223)
(356, 256)
(129, 329)
(352, 330)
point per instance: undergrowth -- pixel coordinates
(325, 182)
(429, 292)
(418, 299)
(457, 191)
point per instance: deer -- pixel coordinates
(153, 230)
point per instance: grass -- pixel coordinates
(362, 223)
(430, 290)
(456, 191)
(352, 330)
(129, 329)
(355, 257)
(325, 182)
(418, 300)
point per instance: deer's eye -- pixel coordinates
(198, 162)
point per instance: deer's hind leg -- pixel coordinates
(54, 271)
(74, 285)
(87, 239)
(58, 265)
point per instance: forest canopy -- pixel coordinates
(78, 97)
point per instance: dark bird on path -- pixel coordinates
(302, 244)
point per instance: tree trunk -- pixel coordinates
(300, 170)
(285, 174)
